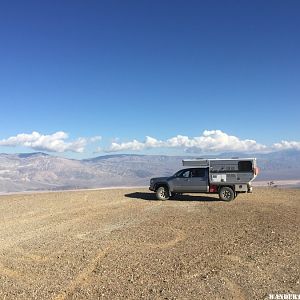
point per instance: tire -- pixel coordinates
(226, 193)
(162, 193)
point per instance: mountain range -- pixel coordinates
(40, 171)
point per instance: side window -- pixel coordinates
(198, 172)
(245, 166)
(185, 174)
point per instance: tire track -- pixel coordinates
(179, 236)
(234, 289)
(81, 276)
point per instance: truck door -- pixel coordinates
(182, 181)
(199, 180)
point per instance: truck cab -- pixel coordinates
(190, 180)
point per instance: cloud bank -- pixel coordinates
(209, 141)
(55, 142)
(286, 145)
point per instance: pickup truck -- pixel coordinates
(226, 177)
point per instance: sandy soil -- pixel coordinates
(123, 244)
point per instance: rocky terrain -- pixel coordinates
(39, 171)
(124, 244)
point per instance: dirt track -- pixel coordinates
(115, 244)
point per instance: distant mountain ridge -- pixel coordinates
(40, 171)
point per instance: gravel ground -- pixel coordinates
(123, 244)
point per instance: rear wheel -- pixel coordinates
(162, 193)
(226, 193)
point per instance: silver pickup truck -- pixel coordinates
(226, 177)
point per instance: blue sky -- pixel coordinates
(211, 71)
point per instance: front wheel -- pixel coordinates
(162, 193)
(226, 193)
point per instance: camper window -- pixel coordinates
(245, 166)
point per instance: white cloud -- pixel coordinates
(215, 141)
(55, 142)
(209, 141)
(135, 145)
(286, 145)
(96, 138)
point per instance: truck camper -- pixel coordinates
(226, 177)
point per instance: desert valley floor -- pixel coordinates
(124, 244)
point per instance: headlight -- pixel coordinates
(151, 181)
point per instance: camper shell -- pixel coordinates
(228, 177)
